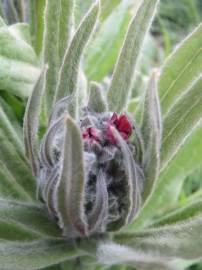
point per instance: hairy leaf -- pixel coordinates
(96, 100)
(180, 121)
(66, 26)
(70, 189)
(171, 179)
(18, 61)
(33, 255)
(32, 217)
(69, 71)
(180, 69)
(114, 254)
(182, 240)
(188, 211)
(31, 121)
(119, 89)
(50, 50)
(17, 167)
(152, 133)
(103, 51)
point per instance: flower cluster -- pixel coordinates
(113, 179)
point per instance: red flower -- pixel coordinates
(122, 124)
(91, 134)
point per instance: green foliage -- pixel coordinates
(165, 230)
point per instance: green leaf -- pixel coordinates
(31, 121)
(32, 217)
(152, 134)
(70, 189)
(107, 7)
(182, 240)
(171, 179)
(17, 167)
(188, 211)
(13, 231)
(96, 100)
(119, 89)
(180, 121)
(37, 254)
(66, 26)
(103, 51)
(180, 69)
(50, 50)
(69, 71)
(114, 254)
(9, 130)
(9, 187)
(36, 22)
(18, 61)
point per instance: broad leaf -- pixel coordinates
(18, 61)
(120, 86)
(189, 210)
(181, 121)
(182, 240)
(114, 254)
(180, 69)
(32, 217)
(171, 179)
(103, 50)
(33, 255)
(17, 167)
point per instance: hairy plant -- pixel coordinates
(93, 186)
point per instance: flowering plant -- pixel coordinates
(96, 184)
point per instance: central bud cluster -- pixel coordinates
(113, 179)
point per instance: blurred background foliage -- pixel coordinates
(175, 19)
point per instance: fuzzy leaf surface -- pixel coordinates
(180, 69)
(18, 61)
(120, 86)
(180, 121)
(33, 255)
(70, 189)
(69, 71)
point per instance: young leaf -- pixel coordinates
(66, 26)
(50, 50)
(31, 121)
(181, 68)
(70, 188)
(119, 89)
(68, 75)
(36, 23)
(180, 121)
(33, 255)
(96, 101)
(152, 133)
